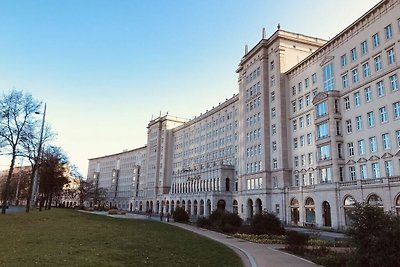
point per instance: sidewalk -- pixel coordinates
(252, 254)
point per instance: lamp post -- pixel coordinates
(35, 188)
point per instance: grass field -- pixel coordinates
(62, 237)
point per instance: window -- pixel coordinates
(273, 112)
(322, 109)
(294, 106)
(307, 83)
(295, 142)
(398, 138)
(345, 81)
(353, 53)
(272, 80)
(309, 138)
(393, 82)
(273, 129)
(340, 150)
(378, 63)
(314, 78)
(373, 146)
(343, 60)
(338, 128)
(375, 170)
(310, 158)
(272, 65)
(359, 124)
(383, 114)
(352, 172)
(388, 32)
(389, 168)
(308, 119)
(368, 94)
(366, 70)
(299, 87)
(273, 96)
(301, 103)
(302, 142)
(354, 73)
(396, 110)
(361, 147)
(329, 79)
(294, 90)
(274, 146)
(375, 39)
(303, 160)
(371, 119)
(363, 171)
(348, 126)
(326, 175)
(347, 103)
(357, 100)
(380, 88)
(274, 163)
(323, 130)
(324, 152)
(350, 149)
(386, 141)
(301, 122)
(294, 122)
(364, 47)
(308, 100)
(391, 56)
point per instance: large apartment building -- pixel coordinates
(314, 128)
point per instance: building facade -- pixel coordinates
(314, 128)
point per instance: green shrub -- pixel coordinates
(204, 222)
(296, 241)
(113, 211)
(375, 236)
(267, 223)
(122, 212)
(225, 221)
(180, 215)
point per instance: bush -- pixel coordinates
(296, 241)
(180, 215)
(113, 211)
(204, 222)
(267, 223)
(375, 236)
(225, 221)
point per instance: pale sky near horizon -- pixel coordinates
(105, 67)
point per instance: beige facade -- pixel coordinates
(314, 127)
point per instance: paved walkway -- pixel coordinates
(252, 254)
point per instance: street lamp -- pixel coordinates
(35, 188)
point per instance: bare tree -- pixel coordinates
(17, 109)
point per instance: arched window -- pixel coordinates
(310, 211)
(294, 211)
(236, 207)
(349, 205)
(398, 205)
(375, 200)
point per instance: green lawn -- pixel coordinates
(62, 237)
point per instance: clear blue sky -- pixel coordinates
(105, 67)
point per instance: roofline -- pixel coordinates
(123, 152)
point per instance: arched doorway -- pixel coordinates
(201, 207)
(195, 207)
(235, 207)
(184, 204)
(326, 213)
(189, 207)
(208, 207)
(348, 206)
(398, 205)
(151, 207)
(258, 206)
(162, 206)
(141, 206)
(167, 206)
(147, 206)
(178, 203)
(249, 209)
(221, 205)
(172, 206)
(131, 207)
(294, 211)
(375, 200)
(158, 207)
(310, 211)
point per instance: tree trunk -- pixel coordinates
(30, 191)
(7, 185)
(49, 200)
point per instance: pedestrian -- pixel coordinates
(161, 215)
(168, 217)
